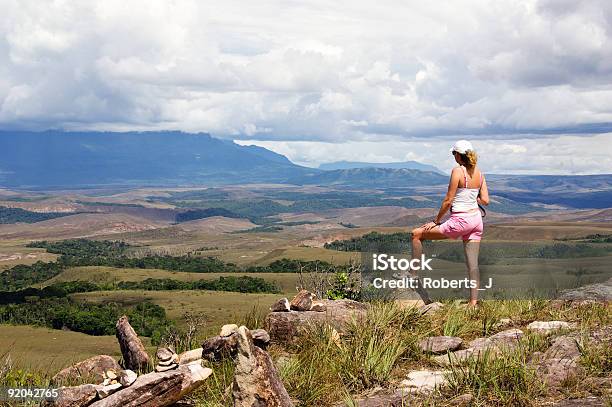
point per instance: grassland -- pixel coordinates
(49, 350)
(98, 274)
(219, 308)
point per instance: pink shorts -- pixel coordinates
(465, 225)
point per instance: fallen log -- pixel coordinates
(135, 356)
(158, 389)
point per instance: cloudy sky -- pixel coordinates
(529, 82)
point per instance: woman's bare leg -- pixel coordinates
(471, 249)
(418, 235)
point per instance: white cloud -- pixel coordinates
(334, 71)
(566, 154)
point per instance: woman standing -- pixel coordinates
(467, 188)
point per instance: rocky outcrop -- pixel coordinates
(424, 381)
(134, 354)
(285, 327)
(592, 292)
(89, 370)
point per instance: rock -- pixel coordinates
(318, 307)
(563, 347)
(256, 381)
(494, 344)
(91, 370)
(134, 354)
(164, 354)
(172, 361)
(281, 305)
(440, 344)
(424, 381)
(503, 322)
(158, 389)
(75, 396)
(560, 362)
(110, 374)
(260, 338)
(431, 308)
(227, 330)
(219, 347)
(302, 301)
(190, 356)
(398, 398)
(547, 327)
(584, 402)
(285, 327)
(159, 368)
(597, 292)
(463, 400)
(127, 377)
(106, 391)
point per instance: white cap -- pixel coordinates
(462, 146)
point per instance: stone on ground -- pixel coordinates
(127, 377)
(190, 356)
(318, 306)
(560, 362)
(547, 327)
(302, 301)
(75, 396)
(493, 345)
(431, 308)
(134, 354)
(92, 369)
(281, 305)
(424, 381)
(440, 344)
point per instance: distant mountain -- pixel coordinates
(373, 177)
(347, 165)
(74, 159)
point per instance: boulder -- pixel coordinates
(89, 370)
(318, 307)
(107, 390)
(560, 362)
(424, 381)
(76, 396)
(431, 308)
(190, 356)
(281, 305)
(440, 344)
(285, 327)
(127, 377)
(261, 338)
(158, 389)
(302, 301)
(547, 327)
(227, 330)
(134, 354)
(256, 381)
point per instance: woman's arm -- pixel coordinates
(453, 184)
(483, 197)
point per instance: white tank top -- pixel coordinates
(466, 198)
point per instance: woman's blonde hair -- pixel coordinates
(469, 159)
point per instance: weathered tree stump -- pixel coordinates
(135, 356)
(256, 381)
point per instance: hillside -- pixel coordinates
(373, 178)
(346, 165)
(61, 159)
